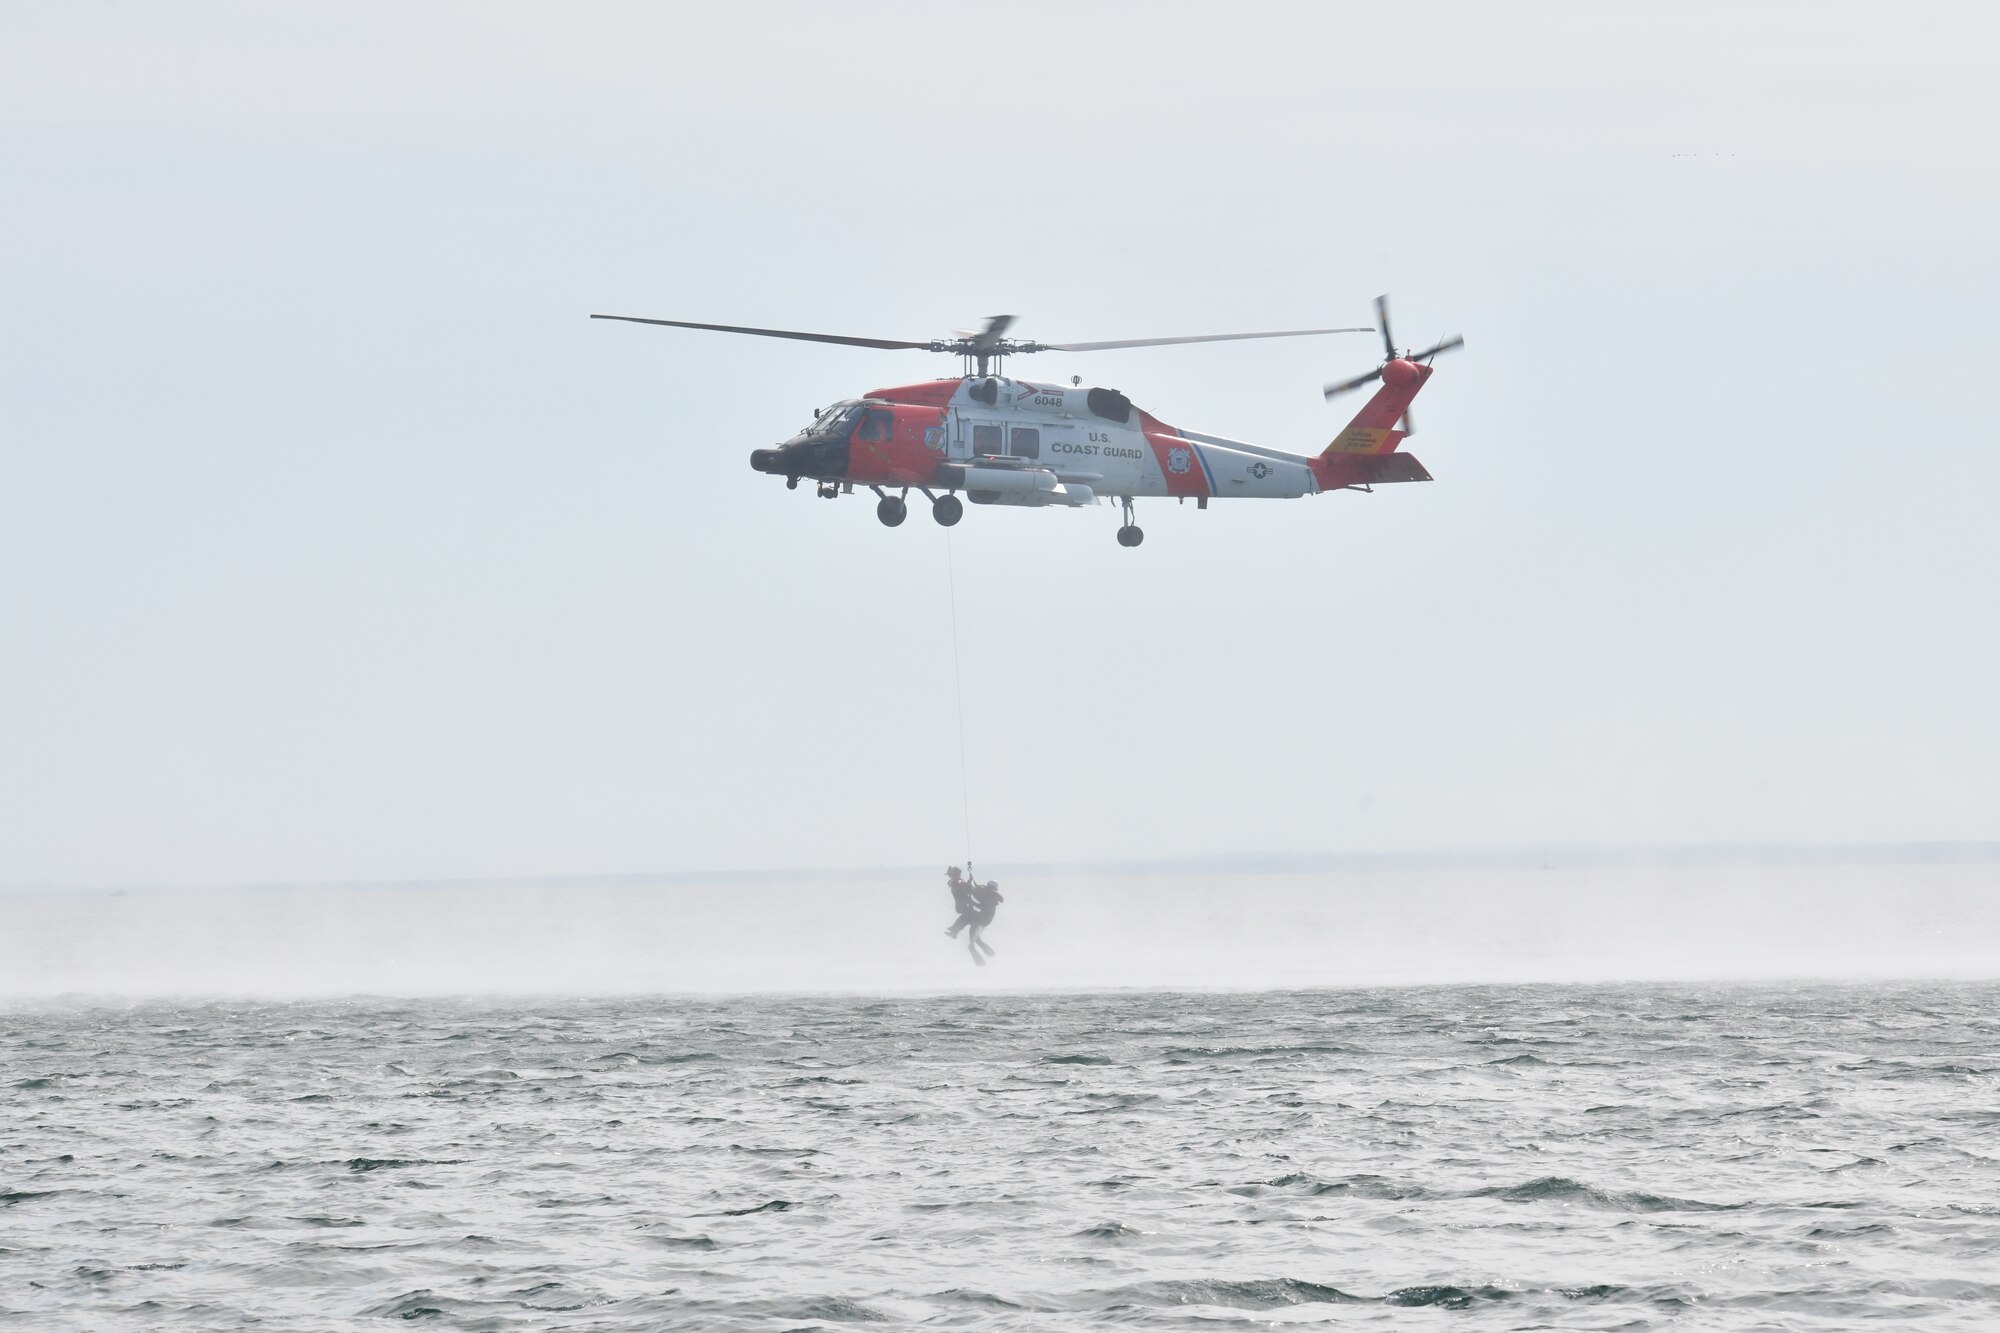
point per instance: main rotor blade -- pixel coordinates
(996, 326)
(774, 333)
(1445, 346)
(1382, 318)
(1197, 338)
(1334, 390)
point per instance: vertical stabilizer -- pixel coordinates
(1375, 429)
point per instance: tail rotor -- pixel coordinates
(1389, 356)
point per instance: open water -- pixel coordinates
(1513, 1157)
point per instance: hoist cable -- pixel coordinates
(958, 696)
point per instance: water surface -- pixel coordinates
(1505, 1157)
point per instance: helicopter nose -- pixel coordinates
(822, 458)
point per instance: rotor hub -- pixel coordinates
(1401, 374)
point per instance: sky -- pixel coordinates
(337, 543)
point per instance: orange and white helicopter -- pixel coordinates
(1005, 441)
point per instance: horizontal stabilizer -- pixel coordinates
(1339, 470)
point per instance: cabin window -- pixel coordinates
(878, 426)
(1110, 404)
(1027, 442)
(986, 440)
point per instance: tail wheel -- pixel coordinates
(891, 511)
(1131, 535)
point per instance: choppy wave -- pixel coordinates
(1503, 1156)
(1560, 1190)
(1264, 1294)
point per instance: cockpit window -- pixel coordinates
(837, 420)
(878, 426)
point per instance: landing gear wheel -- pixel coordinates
(947, 510)
(891, 511)
(1129, 535)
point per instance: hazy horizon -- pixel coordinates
(1464, 859)
(868, 934)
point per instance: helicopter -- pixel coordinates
(1004, 441)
